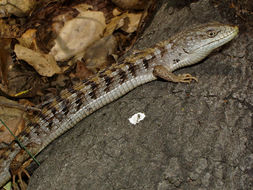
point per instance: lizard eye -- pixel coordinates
(211, 33)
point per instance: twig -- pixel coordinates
(19, 106)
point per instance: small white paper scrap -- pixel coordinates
(136, 118)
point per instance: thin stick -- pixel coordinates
(19, 106)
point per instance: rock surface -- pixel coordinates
(196, 136)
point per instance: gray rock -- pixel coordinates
(196, 136)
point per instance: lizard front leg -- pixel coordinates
(162, 72)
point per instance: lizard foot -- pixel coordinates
(19, 173)
(162, 72)
(187, 78)
(19, 164)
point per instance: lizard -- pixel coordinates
(73, 104)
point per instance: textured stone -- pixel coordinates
(196, 136)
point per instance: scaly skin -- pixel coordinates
(74, 104)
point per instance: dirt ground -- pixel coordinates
(194, 136)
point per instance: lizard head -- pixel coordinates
(208, 37)
(194, 44)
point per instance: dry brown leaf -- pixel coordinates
(115, 23)
(44, 64)
(132, 23)
(77, 34)
(60, 19)
(28, 39)
(83, 7)
(60, 81)
(8, 31)
(116, 12)
(25, 102)
(22, 81)
(13, 118)
(81, 71)
(131, 4)
(96, 56)
(18, 8)
(17, 80)
(5, 60)
(128, 22)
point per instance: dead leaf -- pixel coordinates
(8, 31)
(116, 12)
(132, 22)
(77, 34)
(83, 7)
(115, 23)
(18, 8)
(97, 55)
(81, 71)
(131, 4)
(59, 21)
(28, 39)
(44, 64)
(22, 81)
(60, 81)
(5, 60)
(17, 80)
(13, 118)
(128, 22)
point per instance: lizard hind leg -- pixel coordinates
(19, 164)
(18, 173)
(162, 72)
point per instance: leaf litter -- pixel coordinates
(46, 46)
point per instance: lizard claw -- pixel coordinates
(187, 78)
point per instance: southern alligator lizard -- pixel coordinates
(73, 104)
